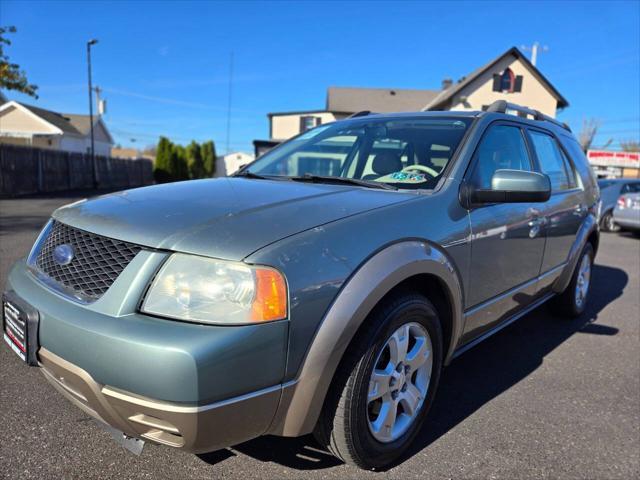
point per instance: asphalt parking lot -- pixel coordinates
(544, 398)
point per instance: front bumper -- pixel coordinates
(195, 429)
(196, 387)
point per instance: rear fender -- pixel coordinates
(589, 225)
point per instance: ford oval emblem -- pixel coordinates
(63, 254)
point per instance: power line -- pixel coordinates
(622, 120)
(614, 132)
(158, 135)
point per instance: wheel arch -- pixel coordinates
(589, 232)
(401, 265)
(608, 211)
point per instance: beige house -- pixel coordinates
(511, 77)
(22, 124)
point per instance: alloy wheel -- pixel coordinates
(399, 382)
(582, 284)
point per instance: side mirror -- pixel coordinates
(513, 186)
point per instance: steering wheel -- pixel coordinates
(420, 168)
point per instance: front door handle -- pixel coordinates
(535, 225)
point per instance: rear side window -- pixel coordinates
(502, 147)
(553, 161)
(631, 188)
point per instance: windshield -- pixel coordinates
(400, 152)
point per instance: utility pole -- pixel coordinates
(98, 91)
(534, 51)
(93, 156)
(229, 103)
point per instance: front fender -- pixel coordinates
(303, 398)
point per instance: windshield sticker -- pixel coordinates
(408, 177)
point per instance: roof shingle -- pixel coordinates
(69, 123)
(380, 100)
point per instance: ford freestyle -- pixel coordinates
(321, 289)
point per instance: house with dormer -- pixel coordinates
(510, 76)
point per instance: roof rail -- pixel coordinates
(502, 106)
(363, 113)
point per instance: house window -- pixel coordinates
(507, 82)
(308, 122)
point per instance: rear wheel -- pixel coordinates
(385, 385)
(608, 224)
(573, 301)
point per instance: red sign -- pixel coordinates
(614, 159)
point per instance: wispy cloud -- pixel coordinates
(204, 81)
(172, 101)
(165, 100)
(68, 87)
(163, 51)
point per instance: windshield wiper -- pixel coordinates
(248, 174)
(308, 177)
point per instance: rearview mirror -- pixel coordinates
(514, 186)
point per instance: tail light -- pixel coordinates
(621, 202)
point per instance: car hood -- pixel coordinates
(227, 218)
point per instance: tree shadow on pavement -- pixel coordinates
(470, 382)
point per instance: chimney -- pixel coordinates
(446, 83)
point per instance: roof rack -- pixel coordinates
(502, 106)
(363, 113)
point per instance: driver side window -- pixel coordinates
(502, 147)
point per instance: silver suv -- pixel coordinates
(322, 289)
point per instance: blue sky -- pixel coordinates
(164, 66)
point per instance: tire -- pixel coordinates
(346, 424)
(568, 303)
(607, 223)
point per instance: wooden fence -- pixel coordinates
(25, 170)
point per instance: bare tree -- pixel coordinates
(630, 145)
(589, 130)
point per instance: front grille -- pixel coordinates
(97, 260)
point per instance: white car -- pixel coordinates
(627, 212)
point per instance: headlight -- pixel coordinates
(206, 290)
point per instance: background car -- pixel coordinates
(626, 214)
(610, 191)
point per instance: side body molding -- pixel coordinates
(589, 225)
(302, 400)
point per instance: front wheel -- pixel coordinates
(385, 385)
